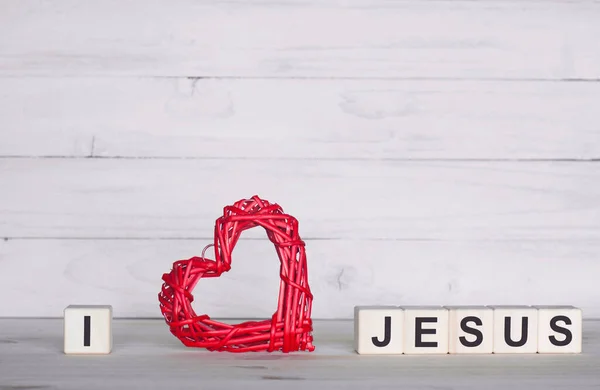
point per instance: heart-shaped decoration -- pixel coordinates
(290, 327)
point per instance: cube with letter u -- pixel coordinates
(515, 329)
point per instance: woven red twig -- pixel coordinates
(290, 327)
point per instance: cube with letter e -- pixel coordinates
(425, 329)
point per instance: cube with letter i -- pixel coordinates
(471, 329)
(378, 330)
(88, 329)
(515, 329)
(560, 329)
(425, 330)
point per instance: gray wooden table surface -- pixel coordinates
(146, 356)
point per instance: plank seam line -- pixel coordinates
(148, 238)
(400, 159)
(315, 78)
(358, 239)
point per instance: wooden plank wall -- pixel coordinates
(435, 152)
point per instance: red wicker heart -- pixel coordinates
(290, 327)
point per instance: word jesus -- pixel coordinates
(467, 329)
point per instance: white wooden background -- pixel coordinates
(435, 152)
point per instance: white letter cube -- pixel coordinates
(560, 329)
(425, 330)
(378, 330)
(471, 329)
(87, 329)
(515, 329)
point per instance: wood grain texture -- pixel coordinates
(358, 38)
(406, 136)
(331, 199)
(313, 119)
(377, 232)
(342, 273)
(147, 356)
